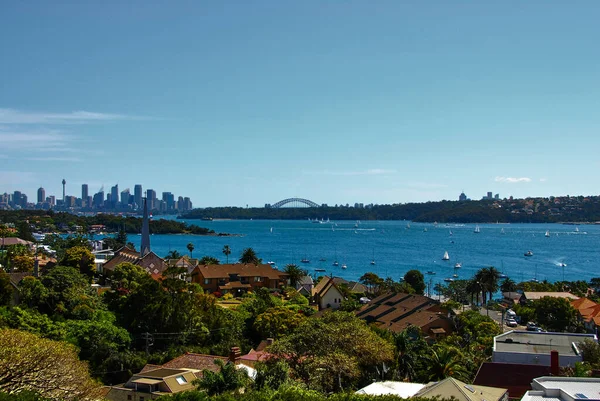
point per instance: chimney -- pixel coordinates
(554, 365)
(234, 355)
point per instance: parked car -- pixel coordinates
(511, 322)
(511, 314)
(531, 326)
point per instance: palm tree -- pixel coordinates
(445, 361)
(407, 349)
(508, 285)
(474, 287)
(249, 256)
(173, 255)
(190, 248)
(489, 278)
(294, 274)
(227, 252)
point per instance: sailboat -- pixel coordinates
(335, 262)
(547, 233)
(576, 229)
(477, 231)
(446, 256)
(271, 229)
(502, 231)
(450, 232)
(373, 260)
(408, 225)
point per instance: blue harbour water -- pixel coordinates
(397, 248)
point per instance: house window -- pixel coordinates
(257, 279)
(181, 380)
(206, 281)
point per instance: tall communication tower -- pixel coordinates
(64, 182)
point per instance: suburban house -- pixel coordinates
(237, 278)
(184, 262)
(514, 377)
(15, 279)
(353, 286)
(173, 376)
(536, 296)
(550, 388)
(534, 348)
(326, 294)
(152, 384)
(396, 312)
(448, 388)
(588, 313)
(460, 391)
(151, 262)
(305, 286)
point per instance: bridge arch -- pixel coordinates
(295, 202)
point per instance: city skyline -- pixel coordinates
(250, 103)
(113, 199)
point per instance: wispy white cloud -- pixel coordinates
(55, 159)
(512, 180)
(13, 116)
(373, 171)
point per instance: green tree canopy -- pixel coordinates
(80, 258)
(416, 280)
(50, 368)
(555, 314)
(332, 352)
(249, 257)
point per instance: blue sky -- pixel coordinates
(250, 102)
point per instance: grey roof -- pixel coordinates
(306, 280)
(532, 342)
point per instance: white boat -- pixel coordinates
(451, 232)
(425, 230)
(547, 233)
(528, 253)
(335, 263)
(430, 272)
(449, 279)
(271, 229)
(576, 229)
(477, 230)
(305, 260)
(270, 262)
(502, 231)
(562, 264)
(446, 256)
(408, 225)
(344, 266)
(457, 265)
(373, 260)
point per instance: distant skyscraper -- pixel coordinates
(16, 198)
(169, 200)
(137, 195)
(84, 192)
(52, 200)
(98, 201)
(41, 195)
(125, 197)
(114, 195)
(151, 197)
(64, 182)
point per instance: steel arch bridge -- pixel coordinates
(295, 202)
